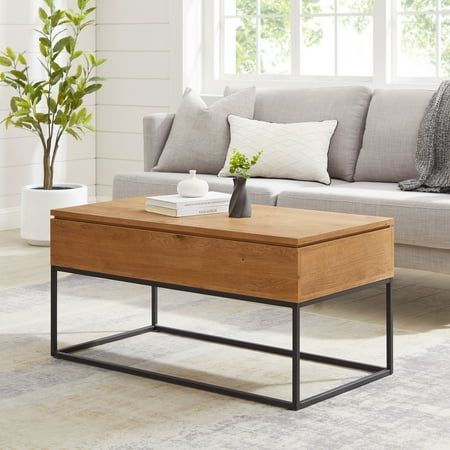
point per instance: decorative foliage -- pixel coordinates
(53, 106)
(240, 164)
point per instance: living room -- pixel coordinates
(224, 224)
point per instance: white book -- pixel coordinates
(187, 211)
(176, 201)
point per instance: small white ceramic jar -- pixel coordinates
(192, 186)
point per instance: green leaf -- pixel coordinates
(92, 88)
(77, 54)
(101, 61)
(45, 41)
(43, 118)
(42, 14)
(50, 3)
(82, 4)
(52, 106)
(13, 105)
(70, 44)
(43, 50)
(10, 53)
(73, 134)
(56, 18)
(97, 79)
(22, 59)
(58, 47)
(5, 61)
(56, 76)
(18, 74)
(61, 119)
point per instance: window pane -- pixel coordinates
(416, 5)
(317, 7)
(317, 46)
(355, 42)
(445, 46)
(275, 45)
(445, 4)
(239, 7)
(417, 46)
(240, 46)
(275, 6)
(355, 6)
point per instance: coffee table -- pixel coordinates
(283, 257)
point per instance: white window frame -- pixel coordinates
(384, 56)
(395, 13)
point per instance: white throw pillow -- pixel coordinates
(290, 150)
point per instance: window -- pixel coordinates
(304, 37)
(377, 42)
(423, 38)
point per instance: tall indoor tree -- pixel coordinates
(54, 105)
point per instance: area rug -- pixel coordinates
(54, 404)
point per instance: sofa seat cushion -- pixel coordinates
(421, 219)
(261, 191)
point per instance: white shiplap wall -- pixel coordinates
(20, 154)
(134, 36)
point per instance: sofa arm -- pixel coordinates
(156, 131)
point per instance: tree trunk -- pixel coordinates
(48, 171)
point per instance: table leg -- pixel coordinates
(296, 357)
(53, 311)
(389, 330)
(154, 305)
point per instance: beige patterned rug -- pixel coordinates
(48, 403)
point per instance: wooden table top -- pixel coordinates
(269, 225)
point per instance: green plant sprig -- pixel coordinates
(53, 106)
(240, 164)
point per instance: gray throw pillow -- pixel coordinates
(200, 136)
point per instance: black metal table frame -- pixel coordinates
(375, 372)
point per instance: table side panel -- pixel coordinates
(237, 267)
(345, 263)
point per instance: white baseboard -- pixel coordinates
(10, 218)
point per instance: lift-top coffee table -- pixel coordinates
(283, 257)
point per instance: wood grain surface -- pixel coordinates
(268, 224)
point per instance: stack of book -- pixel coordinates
(177, 206)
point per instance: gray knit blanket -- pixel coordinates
(433, 146)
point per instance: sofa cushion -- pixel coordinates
(199, 135)
(421, 219)
(261, 191)
(390, 140)
(348, 105)
(297, 151)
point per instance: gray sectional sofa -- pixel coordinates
(372, 150)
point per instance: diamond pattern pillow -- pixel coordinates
(293, 150)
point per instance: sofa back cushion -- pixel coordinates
(390, 140)
(348, 105)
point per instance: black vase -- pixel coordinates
(239, 204)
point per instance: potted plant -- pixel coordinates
(240, 166)
(52, 107)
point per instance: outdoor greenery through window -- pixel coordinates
(334, 38)
(423, 33)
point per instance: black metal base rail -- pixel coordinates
(375, 372)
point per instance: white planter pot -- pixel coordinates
(37, 204)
